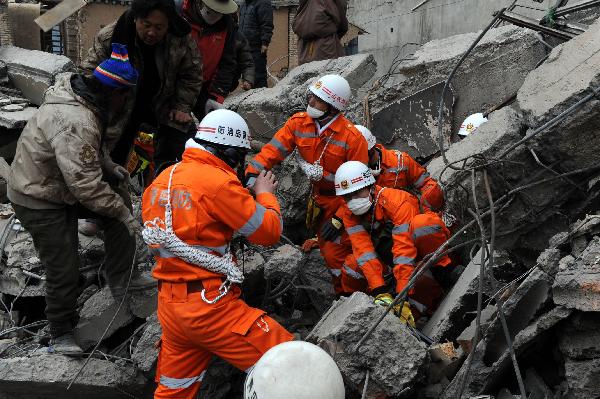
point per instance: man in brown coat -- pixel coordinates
(170, 66)
(320, 24)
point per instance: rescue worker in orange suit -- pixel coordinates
(214, 31)
(386, 228)
(324, 139)
(191, 212)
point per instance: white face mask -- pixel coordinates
(359, 206)
(314, 113)
(210, 17)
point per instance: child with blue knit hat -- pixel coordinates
(117, 71)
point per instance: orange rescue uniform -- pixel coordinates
(209, 204)
(337, 143)
(414, 235)
(400, 170)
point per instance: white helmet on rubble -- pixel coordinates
(224, 127)
(471, 123)
(294, 370)
(371, 140)
(333, 89)
(352, 176)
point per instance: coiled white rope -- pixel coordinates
(159, 233)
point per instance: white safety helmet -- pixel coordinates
(294, 370)
(471, 123)
(224, 127)
(351, 176)
(371, 140)
(333, 89)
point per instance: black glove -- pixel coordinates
(331, 229)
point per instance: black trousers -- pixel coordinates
(260, 68)
(55, 237)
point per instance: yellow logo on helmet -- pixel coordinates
(344, 184)
(318, 84)
(470, 127)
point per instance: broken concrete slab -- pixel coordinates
(577, 283)
(95, 316)
(465, 339)
(32, 71)
(145, 353)
(284, 263)
(504, 57)
(266, 110)
(143, 303)
(579, 337)
(43, 375)
(583, 378)
(457, 309)
(391, 371)
(16, 119)
(490, 366)
(536, 386)
(315, 275)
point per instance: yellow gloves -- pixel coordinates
(401, 310)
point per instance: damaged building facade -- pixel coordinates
(522, 192)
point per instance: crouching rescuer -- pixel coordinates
(387, 231)
(191, 211)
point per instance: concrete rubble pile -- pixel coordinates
(542, 277)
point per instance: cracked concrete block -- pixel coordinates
(266, 110)
(457, 309)
(143, 303)
(491, 361)
(32, 71)
(145, 353)
(504, 57)
(43, 375)
(315, 274)
(579, 337)
(577, 283)
(583, 378)
(95, 316)
(16, 119)
(284, 262)
(391, 370)
(465, 339)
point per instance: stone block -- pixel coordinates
(577, 283)
(284, 263)
(32, 71)
(95, 316)
(42, 375)
(16, 119)
(396, 358)
(145, 353)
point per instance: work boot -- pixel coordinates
(88, 227)
(65, 345)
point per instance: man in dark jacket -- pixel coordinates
(256, 23)
(213, 30)
(245, 63)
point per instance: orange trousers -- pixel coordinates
(429, 233)
(193, 331)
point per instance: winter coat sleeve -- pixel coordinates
(244, 59)
(432, 196)
(264, 14)
(189, 78)
(100, 50)
(226, 71)
(78, 159)
(342, 7)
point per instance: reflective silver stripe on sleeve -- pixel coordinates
(421, 180)
(280, 147)
(254, 222)
(365, 258)
(335, 272)
(310, 135)
(404, 260)
(401, 228)
(256, 164)
(352, 273)
(180, 383)
(426, 230)
(251, 181)
(339, 143)
(355, 229)
(165, 253)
